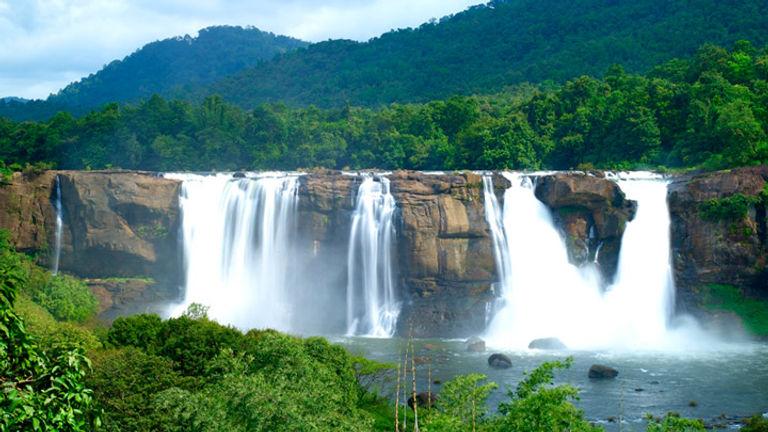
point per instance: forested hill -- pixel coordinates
(479, 51)
(709, 110)
(488, 47)
(167, 67)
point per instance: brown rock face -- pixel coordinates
(445, 254)
(26, 211)
(116, 294)
(729, 252)
(119, 224)
(116, 224)
(592, 212)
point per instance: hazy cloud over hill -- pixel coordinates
(46, 44)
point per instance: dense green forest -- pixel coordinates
(167, 67)
(710, 110)
(62, 370)
(491, 46)
(482, 50)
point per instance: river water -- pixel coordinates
(719, 385)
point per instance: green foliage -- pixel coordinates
(462, 403)
(733, 208)
(538, 406)
(686, 113)
(41, 389)
(262, 380)
(672, 422)
(140, 331)
(482, 50)
(48, 332)
(5, 173)
(164, 67)
(67, 299)
(757, 423)
(535, 406)
(753, 312)
(125, 381)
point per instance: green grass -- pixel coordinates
(732, 208)
(381, 410)
(753, 312)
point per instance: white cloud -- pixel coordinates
(46, 44)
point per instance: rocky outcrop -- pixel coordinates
(115, 224)
(445, 254)
(592, 212)
(597, 371)
(26, 211)
(722, 250)
(115, 294)
(326, 203)
(547, 344)
(499, 361)
(423, 399)
(122, 224)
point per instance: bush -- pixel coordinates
(140, 331)
(50, 333)
(729, 209)
(41, 389)
(291, 394)
(757, 423)
(68, 299)
(672, 422)
(538, 406)
(462, 403)
(125, 380)
(192, 343)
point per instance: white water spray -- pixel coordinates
(372, 306)
(236, 236)
(59, 227)
(544, 295)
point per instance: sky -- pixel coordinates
(47, 44)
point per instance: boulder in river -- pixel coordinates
(499, 361)
(602, 372)
(423, 399)
(547, 344)
(475, 344)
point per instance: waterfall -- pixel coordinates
(59, 227)
(372, 307)
(643, 295)
(544, 295)
(237, 237)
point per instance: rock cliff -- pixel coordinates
(725, 247)
(121, 232)
(592, 213)
(116, 225)
(26, 211)
(446, 260)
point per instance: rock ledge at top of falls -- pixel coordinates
(445, 254)
(592, 212)
(116, 223)
(26, 211)
(119, 224)
(732, 252)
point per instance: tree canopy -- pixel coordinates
(708, 110)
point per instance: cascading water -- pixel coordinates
(544, 295)
(642, 297)
(59, 228)
(237, 236)
(372, 307)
